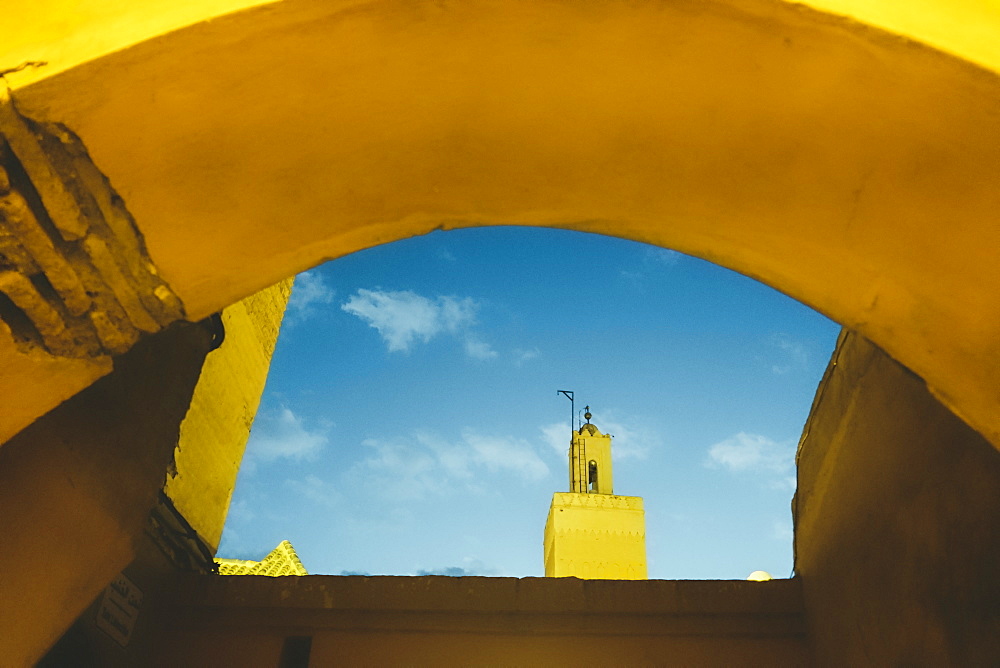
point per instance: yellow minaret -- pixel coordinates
(592, 533)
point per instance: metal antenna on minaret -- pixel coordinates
(572, 407)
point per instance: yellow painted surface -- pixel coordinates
(965, 28)
(850, 169)
(282, 560)
(215, 431)
(773, 139)
(897, 534)
(590, 533)
(590, 469)
(25, 400)
(595, 536)
(65, 33)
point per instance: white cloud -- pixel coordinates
(398, 470)
(521, 355)
(425, 464)
(630, 441)
(479, 350)
(651, 263)
(285, 435)
(316, 490)
(783, 483)
(402, 317)
(398, 316)
(309, 291)
(753, 453)
(663, 256)
(557, 436)
(456, 313)
(503, 454)
(793, 354)
(632, 276)
(782, 530)
(240, 513)
(234, 542)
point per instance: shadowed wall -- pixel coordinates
(897, 534)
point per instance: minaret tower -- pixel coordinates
(591, 533)
(590, 460)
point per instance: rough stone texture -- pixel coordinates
(897, 529)
(76, 282)
(73, 266)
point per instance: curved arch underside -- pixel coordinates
(850, 169)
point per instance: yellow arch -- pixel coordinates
(853, 170)
(66, 33)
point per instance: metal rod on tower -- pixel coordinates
(572, 407)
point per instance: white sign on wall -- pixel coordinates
(119, 609)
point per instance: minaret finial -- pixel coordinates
(587, 415)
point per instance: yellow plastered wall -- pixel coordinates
(215, 431)
(590, 445)
(595, 536)
(66, 33)
(780, 142)
(965, 28)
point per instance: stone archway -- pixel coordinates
(848, 168)
(842, 166)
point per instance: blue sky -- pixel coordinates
(411, 422)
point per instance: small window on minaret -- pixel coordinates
(592, 476)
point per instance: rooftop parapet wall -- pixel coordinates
(461, 621)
